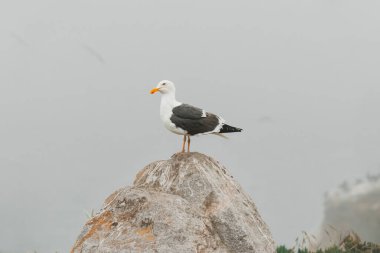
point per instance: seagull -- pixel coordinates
(187, 120)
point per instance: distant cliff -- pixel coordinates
(186, 204)
(353, 207)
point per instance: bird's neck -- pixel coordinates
(168, 102)
(169, 98)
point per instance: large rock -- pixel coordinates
(186, 204)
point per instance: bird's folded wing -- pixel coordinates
(186, 111)
(194, 120)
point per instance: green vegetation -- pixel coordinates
(350, 244)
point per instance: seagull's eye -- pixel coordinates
(164, 84)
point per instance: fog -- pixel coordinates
(77, 122)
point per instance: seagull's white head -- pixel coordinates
(164, 87)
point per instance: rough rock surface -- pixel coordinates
(186, 204)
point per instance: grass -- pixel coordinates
(350, 244)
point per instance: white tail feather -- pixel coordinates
(221, 135)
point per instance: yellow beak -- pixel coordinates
(154, 90)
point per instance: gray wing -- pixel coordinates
(194, 120)
(186, 111)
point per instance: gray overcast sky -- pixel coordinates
(300, 77)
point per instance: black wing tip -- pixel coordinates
(229, 129)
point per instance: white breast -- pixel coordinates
(166, 111)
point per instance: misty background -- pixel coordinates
(77, 122)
